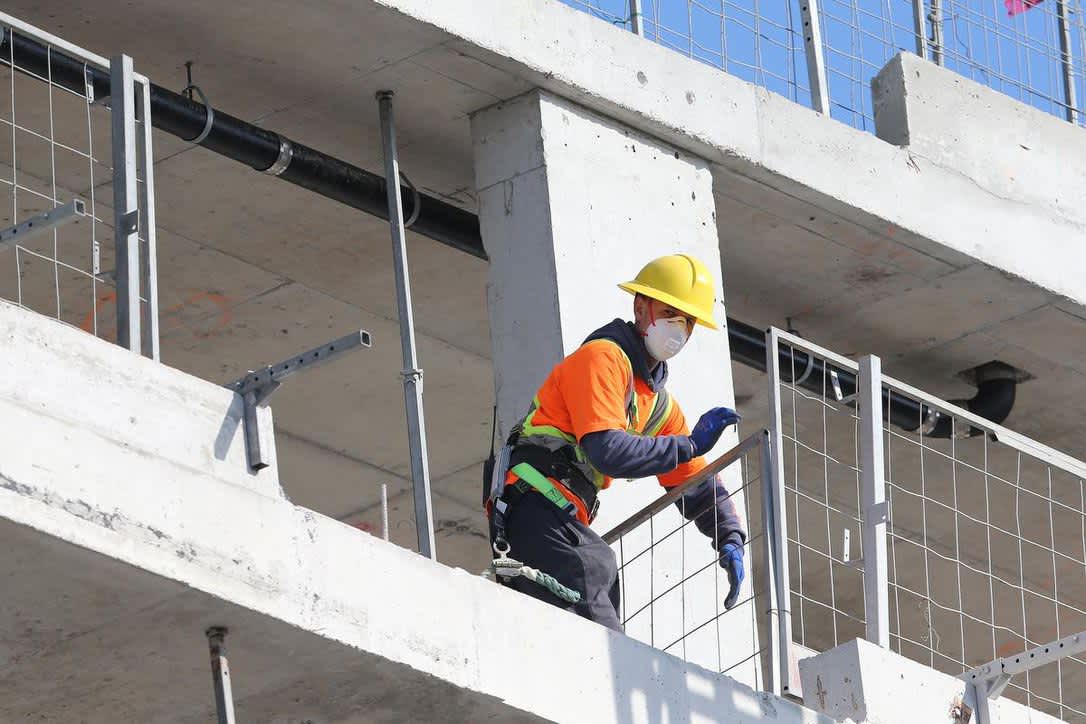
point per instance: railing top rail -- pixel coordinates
(20, 26)
(748, 443)
(1007, 437)
(810, 347)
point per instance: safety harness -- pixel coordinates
(540, 454)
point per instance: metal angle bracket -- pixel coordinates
(74, 210)
(256, 389)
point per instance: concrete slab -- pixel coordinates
(135, 551)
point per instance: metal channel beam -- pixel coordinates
(255, 381)
(54, 219)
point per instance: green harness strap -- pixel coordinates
(536, 479)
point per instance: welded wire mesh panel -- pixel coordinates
(763, 42)
(1020, 55)
(56, 150)
(987, 555)
(673, 588)
(821, 462)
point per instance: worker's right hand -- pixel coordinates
(710, 427)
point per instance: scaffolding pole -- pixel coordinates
(412, 375)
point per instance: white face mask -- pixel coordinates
(665, 337)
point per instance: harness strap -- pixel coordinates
(533, 477)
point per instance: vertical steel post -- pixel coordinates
(637, 18)
(779, 517)
(1068, 61)
(125, 202)
(384, 511)
(873, 483)
(816, 64)
(149, 250)
(920, 28)
(935, 17)
(220, 675)
(412, 375)
(770, 575)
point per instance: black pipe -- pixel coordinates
(332, 178)
(254, 146)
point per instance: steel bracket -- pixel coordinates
(256, 389)
(74, 210)
(130, 222)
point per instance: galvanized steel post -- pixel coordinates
(637, 18)
(777, 521)
(1067, 61)
(816, 64)
(920, 28)
(777, 650)
(149, 249)
(935, 17)
(412, 375)
(125, 202)
(220, 675)
(875, 513)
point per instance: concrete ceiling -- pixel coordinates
(253, 269)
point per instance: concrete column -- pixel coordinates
(571, 204)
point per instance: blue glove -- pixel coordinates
(731, 560)
(710, 427)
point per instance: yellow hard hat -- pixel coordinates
(680, 281)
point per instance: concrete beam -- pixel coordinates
(745, 130)
(125, 553)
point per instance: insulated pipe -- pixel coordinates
(257, 147)
(996, 385)
(266, 150)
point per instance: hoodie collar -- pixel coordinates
(626, 336)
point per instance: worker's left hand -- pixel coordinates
(731, 560)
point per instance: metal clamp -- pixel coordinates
(208, 110)
(257, 387)
(286, 155)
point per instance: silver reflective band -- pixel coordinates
(286, 153)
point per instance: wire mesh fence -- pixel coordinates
(58, 181)
(1037, 55)
(985, 530)
(673, 588)
(987, 552)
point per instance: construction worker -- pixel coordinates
(602, 413)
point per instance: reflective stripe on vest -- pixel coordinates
(555, 440)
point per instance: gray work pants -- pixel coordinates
(542, 536)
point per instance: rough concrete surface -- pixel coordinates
(122, 557)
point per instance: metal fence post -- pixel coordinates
(149, 251)
(1068, 61)
(125, 202)
(920, 28)
(776, 650)
(412, 375)
(816, 64)
(637, 18)
(777, 520)
(935, 17)
(220, 675)
(873, 483)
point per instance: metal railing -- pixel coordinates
(76, 172)
(672, 586)
(837, 46)
(953, 551)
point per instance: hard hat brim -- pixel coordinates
(633, 287)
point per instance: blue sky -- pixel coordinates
(753, 39)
